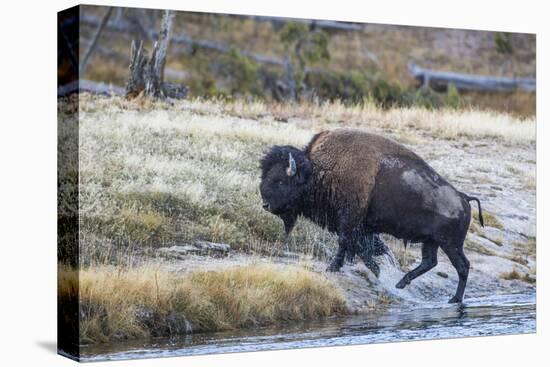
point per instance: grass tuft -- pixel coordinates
(477, 247)
(516, 275)
(489, 219)
(145, 301)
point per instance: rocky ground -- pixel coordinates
(362, 289)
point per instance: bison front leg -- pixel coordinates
(338, 260)
(366, 250)
(347, 236)
(350, 256)
(346, 245)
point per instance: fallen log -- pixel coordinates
(440, 80)
(330, 25)
(83, 85)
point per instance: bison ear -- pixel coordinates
(291, 169)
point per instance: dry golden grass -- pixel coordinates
(529, 180)
(118, 303)
(489, 220)
(517, 103)
(472, 245)
(526, 249)
(516, 275)
(447, 124)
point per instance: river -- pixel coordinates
(493, 315)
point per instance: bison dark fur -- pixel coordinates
(357, 184)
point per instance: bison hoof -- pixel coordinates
(333, 268)
(402, 284)
(455, 300)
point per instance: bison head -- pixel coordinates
(285, 174)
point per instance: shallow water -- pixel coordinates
(494, 315)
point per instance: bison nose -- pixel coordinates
(265, 206)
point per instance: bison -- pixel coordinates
(357, 184)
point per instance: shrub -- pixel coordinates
(452, 98)
(503, 42)
(129, 226)
(240, 74)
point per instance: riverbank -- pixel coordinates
(159, 181)
(174, 295)
(491, 315)
(149, 301)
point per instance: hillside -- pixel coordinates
(221, 55)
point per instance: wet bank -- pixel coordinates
(484, 316)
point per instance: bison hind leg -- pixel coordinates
(462, 266)
(429, 261)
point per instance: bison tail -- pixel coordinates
(470, 198)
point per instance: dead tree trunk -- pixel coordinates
(153, 86)
(146, 75)
(138, 68)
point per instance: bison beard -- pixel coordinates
(357, 185)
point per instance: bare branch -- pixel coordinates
(95, 38)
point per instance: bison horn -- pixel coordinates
(291, 170)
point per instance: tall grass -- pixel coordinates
(120, 303)
(445, 124)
